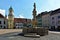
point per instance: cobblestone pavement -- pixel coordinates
(15, 36)
(3, 31)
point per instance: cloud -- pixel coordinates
(2, 12)
(49, 5)
(20, 16)
(54, 3)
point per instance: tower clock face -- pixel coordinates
(10, 10)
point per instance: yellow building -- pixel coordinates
(10, 18)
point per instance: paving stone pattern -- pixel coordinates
(15, 36)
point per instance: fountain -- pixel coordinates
(34, 31)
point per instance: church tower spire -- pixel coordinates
(10, 18)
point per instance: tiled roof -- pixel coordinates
(55, 11)
(28, 20)
(21, 20)
(1, 16)
(44, 13)
(39, 15)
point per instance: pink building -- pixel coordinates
(55, 19)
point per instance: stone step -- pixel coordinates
(32, 35)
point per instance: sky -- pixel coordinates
(24, 8)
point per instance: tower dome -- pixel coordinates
(11, 9)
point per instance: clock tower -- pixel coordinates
(11, 18)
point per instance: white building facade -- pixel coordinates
(3, 22)
(46, 19)
(18, 25)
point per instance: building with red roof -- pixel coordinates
(21, 22)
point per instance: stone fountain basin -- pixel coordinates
(38, 30)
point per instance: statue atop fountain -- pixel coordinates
(34, 21)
